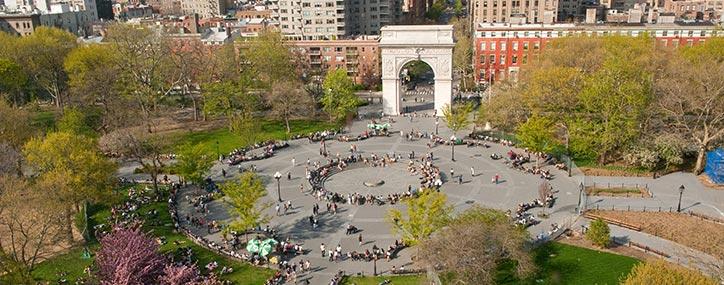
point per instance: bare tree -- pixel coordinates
(142, 148)
(474, 244)
(288, 100)
(691, 97)
(31, 224)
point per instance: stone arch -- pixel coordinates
(431, 44)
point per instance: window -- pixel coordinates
(327, 49)
(515, 46)
(503, 46)
(492, 46)
(483, 45)
(525, 59)
(525, 45)
(339, 58)
(514, 59)
(327, 58)
(536, 45)
(492, 59)
(502, 59)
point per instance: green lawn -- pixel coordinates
(565, 264)
(73, 264)
(270, 130)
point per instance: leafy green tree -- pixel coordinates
(246, 127)
(458, 8)
(425, 214)
(93, 78)
(537, 134)
(435, 11)
(270, 57)
(193, 162)
(665, 273)
(476, 234)
(243, 200)
(41, 54)
(228, 99)
(74, 121)
(599, 233)
(339, 100)
(71, 166)
(463, 50)
(457, 118)
(15, 129)
(12, 81)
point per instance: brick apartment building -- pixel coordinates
(501, 49)
(360, 57)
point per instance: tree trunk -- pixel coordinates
(700, 160)
(286, 121)
(69, 224)
(196, 108)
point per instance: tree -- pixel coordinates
(472, 246)
(463, 51)
(537, 134)
(425, 214)
(128, 256)
(93, 78)
(339, 100)
(457, 119)
(179, 275)
(193, 162)
(246, 127)
(74, 121)
(690, 95)
(243, 197)
(270, 57)
(599, 233)
(12, 81)
(147, 73)
(30, 221)
(72, 169)
(15, 130)
(41, 54)
(228, 98)
(139, 147)
(10, 159)
(288, 100)
(664, 273)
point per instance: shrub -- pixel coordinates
(599, 233)
(661, 272)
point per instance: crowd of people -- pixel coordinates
(266, 150)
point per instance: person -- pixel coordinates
(472, 171)
(289, 176)
(223, 172)
(452, 173)
(496, 178)
(278, 208)
(294, 162)
(321, 247)
(460, 179)
(360, 239)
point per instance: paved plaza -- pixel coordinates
(514, 187)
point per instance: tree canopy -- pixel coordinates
(425, 214)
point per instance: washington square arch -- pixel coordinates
(431, 44)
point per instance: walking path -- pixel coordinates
(515, 187)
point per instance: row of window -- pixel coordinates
(553, 34)
(504, 45)
(490, 59)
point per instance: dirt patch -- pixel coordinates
(594, 171)
(697, 233)
(623, 191)
(708, 183)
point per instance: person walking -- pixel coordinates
(321, 247)
(496, 178)
(359, 238)
(278, 208)
(460, 179)
(472, 171)
(452, 173)
(294, 162)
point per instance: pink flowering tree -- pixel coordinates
(129, 257)
(179, 275)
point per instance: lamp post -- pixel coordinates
(437, 123)
(580, 192)
(374, 262)
(452, 140)
(681, 192)
(278, 176)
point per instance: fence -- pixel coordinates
(618, 190)
(645, 248)
(630, 208)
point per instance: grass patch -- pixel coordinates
(72, 263)
(566, 264)
(269, 130)
(394, 280)
(591, 167)
(44, 120)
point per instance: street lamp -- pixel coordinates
(278, 176)
(437, 122)
(452, 139)
(681, 192)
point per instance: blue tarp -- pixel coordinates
(715, 165)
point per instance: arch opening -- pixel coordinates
(417, 80)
